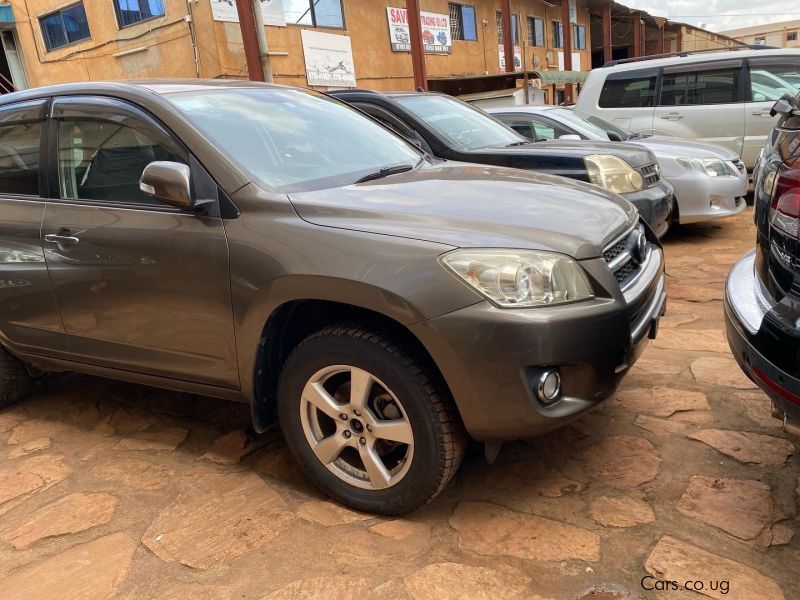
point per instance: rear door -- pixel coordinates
(769, 79)
(141, 286)
(627, 98)
(703, 101)
(29, 319)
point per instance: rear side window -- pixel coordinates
(19, 158)
(632, 89)
(700, 86)
(771, 78)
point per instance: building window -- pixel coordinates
(500, 36)
(463, 25)
(791, 36)
(578, 37)
(535, 32)
(316, 13)
(557, 35)
(65, 26)
(760, 41)
(130, 12)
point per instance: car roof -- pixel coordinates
(697, 57)
(133, 87)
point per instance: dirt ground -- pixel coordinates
(112, 490)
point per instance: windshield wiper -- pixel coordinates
(520, 143)
(385, 172)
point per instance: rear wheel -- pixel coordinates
(15, 381)
(370, 425)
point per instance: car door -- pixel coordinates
(769, 79)
(29, 319)
(703, 101)
(140, 285)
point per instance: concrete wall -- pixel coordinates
(774, 34)
(163, 47)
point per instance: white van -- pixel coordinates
(722, 97)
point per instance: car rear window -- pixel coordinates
(631, 89)
(700, 86)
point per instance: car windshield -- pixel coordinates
(465, 127)
(606, 126)
(294, 140)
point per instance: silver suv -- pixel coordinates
(722, 97)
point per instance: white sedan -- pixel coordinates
(710, 181)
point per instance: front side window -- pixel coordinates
(19, 158)
(628, 90)
(772, 78)
(713, 86)
(535, 32)
(294, 140)
(462, 22)
(558, 40)
(65, 26)
(315, 13)
(463, 126)
(579, 37)
(130, 12)
(101, 160)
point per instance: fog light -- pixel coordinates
(548, 386)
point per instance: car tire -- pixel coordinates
(15, 381)
(401, 393)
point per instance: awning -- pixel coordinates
(560, 77)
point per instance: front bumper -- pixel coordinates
(701, 198)
(490, 357)
(655, 206)
(747, 308)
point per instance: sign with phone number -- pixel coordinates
(436, 36)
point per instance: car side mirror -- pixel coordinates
(614, 136)
(784, 106)
(569, 136)
(169, 182)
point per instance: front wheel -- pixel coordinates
(369, 424)
(15, 381)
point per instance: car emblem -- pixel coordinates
(641, 246)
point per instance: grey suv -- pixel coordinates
(274, 246)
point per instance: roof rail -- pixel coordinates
(623, 61)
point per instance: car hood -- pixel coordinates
(465, 205)
(633, 154)
(683, 148)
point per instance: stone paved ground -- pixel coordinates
(110, 490)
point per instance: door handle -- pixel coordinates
(672, 116)
(761, 113)
(62, 238)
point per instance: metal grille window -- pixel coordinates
(578, 37)
(130, 12)
(791, 36)
(500, 35)
(65, 26)
(535, 32)
(463, 25)
(316, 13)
(557, 35)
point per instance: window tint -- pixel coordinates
(19, 158)
(717, 86)
(100, 160)
(134, 11)
(64, 27)
(629, 90)
(771, 78)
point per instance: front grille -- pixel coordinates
(651, 174)
(625, 258)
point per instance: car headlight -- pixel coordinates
(613, 174)
(713, 167)
(520, 278)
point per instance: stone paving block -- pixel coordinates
(454, 581)
(746, 447)
(329, 514)
(621, 511)
(661, 401)
(622, 461)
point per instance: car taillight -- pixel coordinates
(784, 213)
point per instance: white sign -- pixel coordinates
(329, 59)
(435, 31)
(517, 58)
(576, 61)
(271, 11)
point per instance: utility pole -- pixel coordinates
(417, 47)
(566, 42)
(261, 34)
(247, 25)
(508, 35)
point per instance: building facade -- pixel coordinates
(785, 34)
